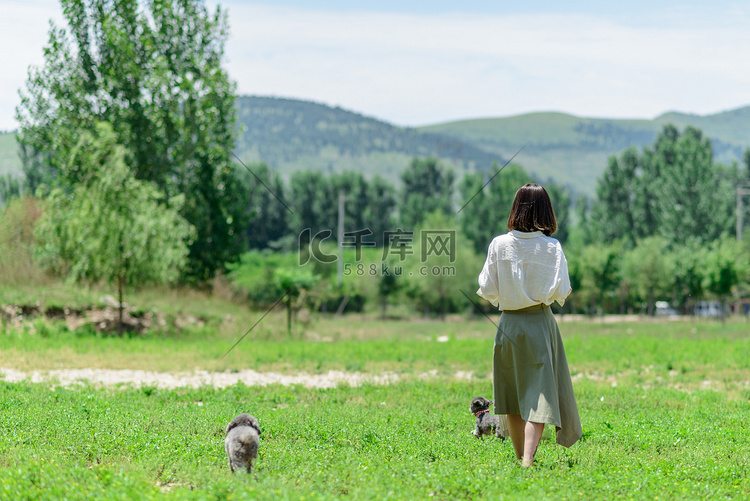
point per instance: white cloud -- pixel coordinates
(414, 69)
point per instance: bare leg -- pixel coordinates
(516, 427)
(532, 437)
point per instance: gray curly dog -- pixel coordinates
(242, 442)
(488, 424)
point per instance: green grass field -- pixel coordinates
(664, 408)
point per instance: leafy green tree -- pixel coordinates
(689, 261)
(485, 211)
(597, 268)
(356, 189)
(743, 181)
(265, 204)
(153, 70)
(689, 189)
(110, 226)
(307, 189)
(672, 189)
(380, 213)
(616, 215)
(476, 213)
(316, 201)
(254, 275)
(727, 265)
(575, 272)
(368, 205)
(647, 206)
(35, 167)
(649, 270)
(561, 202)
(426, 187)
(294, 284)
(389, 284)
(437, 279)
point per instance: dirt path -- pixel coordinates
(107, 377)
(734, 385)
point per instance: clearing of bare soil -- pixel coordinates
(168, 380)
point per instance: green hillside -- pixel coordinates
(290, 135)
(574, 150)
(731, 129)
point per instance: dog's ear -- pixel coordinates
(254, 424)
(232, 424)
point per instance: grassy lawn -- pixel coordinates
(664, 407)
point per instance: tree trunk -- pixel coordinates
(120, 279)
(119, 300)
(651, 303)
(289, 315)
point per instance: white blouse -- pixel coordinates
(524, 269)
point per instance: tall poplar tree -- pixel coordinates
(616, 216)
(693, 200)
(265, 202)
(484, 211)
(427, 187)
(153, 71)
(672, 189)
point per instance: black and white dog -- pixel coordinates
(487, 423)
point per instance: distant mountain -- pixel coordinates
(290, 134)
(730, 129)
(574, 150)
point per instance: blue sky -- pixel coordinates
(420, 62)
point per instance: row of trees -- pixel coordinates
(605, 277)
(610, 277)
(672, 189)
(662, 228)
(278, 211)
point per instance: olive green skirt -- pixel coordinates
(530, 372)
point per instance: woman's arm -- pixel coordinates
(562, 279)
(488, 286)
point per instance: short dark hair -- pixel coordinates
(532, 211)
